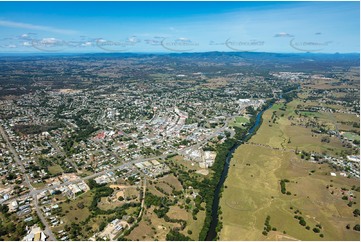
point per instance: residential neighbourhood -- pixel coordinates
(100, 155)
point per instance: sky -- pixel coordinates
(88, 27)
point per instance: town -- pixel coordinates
(86, 152)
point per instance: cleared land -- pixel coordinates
(55, 169)
(238, 121)
(253, 191)
(179, 213)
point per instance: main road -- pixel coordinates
(47, 230)
(34, 192)
(16, 157)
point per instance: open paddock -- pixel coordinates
(171, 180)
(253, 191)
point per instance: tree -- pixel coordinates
(11, 176)
(4, 208)
(356, 227)
(80, 205)
(130, 220)
(316, 230)
(283, 186)
(20, 230)
(57, 192)
(302, 222)
(92, 184)
(174, 235)
(356, 212)
(102, 225)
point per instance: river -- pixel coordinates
(211, 235)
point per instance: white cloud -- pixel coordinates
(86, 44)
(12, 24)
(27, 36)
(101, 40)
(183, 39)
(49, 41)
(283, 34)
(26, 43)
(133, 39)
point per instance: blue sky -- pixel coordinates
(325, 27)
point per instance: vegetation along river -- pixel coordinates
(212, 233)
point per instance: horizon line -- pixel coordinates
(167, 53)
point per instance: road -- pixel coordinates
(214, 134)
(143, 198)
(141, 208)
(47, 230)
(16, 157)
(34, 192)
(55, 145)
(96, 174)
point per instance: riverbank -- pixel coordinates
(253, 199)
(220, 168)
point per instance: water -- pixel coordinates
(211, 235)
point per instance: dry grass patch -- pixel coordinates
(252, 188)
(172, 180)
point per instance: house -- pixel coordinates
(13, 206)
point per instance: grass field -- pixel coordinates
(155, 191)
(131, 193)
(172, 180)
(238, 121)
(77, 211)
(106, 203)
(55, 169)
(38, 185)
(73, 212)
(195, 225)
(181, 161)
(151, 227)
(351, 136)
(284, 134)
(253, 192)
(164, 188)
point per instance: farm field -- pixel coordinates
(252, 190)
(283, 128)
